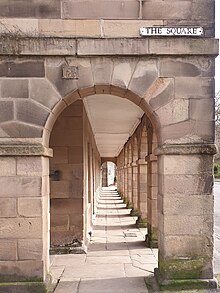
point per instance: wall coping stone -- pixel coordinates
(186, 149)
(25, 150)
(54, 46)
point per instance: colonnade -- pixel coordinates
(137, 177)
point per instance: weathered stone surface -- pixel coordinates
(8, 207)
(63, 207)
(60, 189)
(60, 155)
(20, 186)
(112, 47)
(24, 150)
(65, 140)
(198, 87)
(43, 92)
(188, 132)
(20, 228)
(36, 46)
(12, 271)
(160, 93)
(123, 70)
(169, 68)
(54, 74)
(203, 10)
(196, 184)
(178, 246)
(19, 26)
(174, 112)
(75, 155)
(179, 205)
(8, 166)
(202, 109)
(30, 249)
(31, 166)
(8, 249)
(186, 149)
(185, 225)
(29, 207)
(185, 164)
(70, 28)
(126, 28)
(17, 129)
(167, 10)
(178, 46)
(26, 68)
(102, 70)
(30, 112)
(34, 9)
(14, 88)
(6, 111)
(100, 9)
(145, 74)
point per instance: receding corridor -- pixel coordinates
(117, 259)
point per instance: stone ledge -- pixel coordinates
(186, 149)
(54, 46)
(25, 150)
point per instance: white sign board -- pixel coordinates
(171, 31)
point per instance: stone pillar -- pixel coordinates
(142, 192)
(24, 212)
(129, 170)
(125, 181)
(185, 208)
(135, 185)
(152, 213)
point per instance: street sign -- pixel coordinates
(171, 31)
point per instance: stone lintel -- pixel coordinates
(54, 46)
(186, 149)
(25, 150)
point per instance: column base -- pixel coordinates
(23, 287)
(141, 223)
(185, 284)
(152, 237)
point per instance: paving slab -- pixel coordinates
(117, 259)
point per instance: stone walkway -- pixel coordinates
(117, 259)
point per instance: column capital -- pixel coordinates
(141, 162)
(186, 149)
(25, 150)
(151, 158)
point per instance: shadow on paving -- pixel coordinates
(117, 259)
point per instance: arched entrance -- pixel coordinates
(176, 134)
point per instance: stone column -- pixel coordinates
(186, 215)
(129, 170)
(24, 212)
(142, 192)
(152, 213)
(135, 185)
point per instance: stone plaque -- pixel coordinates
(70, 72)
(171, 31)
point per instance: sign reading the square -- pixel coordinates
(171, 31)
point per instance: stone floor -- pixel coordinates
(117, 259)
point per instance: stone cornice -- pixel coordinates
(186, 149)
(25, 150)
(55, 46)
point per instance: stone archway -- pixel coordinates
(184, 139)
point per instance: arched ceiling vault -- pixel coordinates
(113, 121)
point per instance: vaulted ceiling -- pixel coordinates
(113, 121)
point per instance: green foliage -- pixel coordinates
(217, 170)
